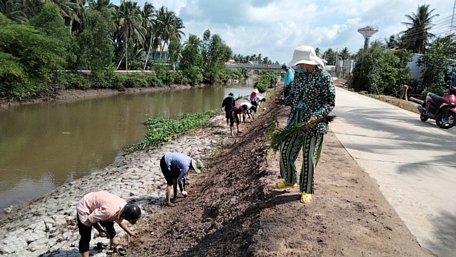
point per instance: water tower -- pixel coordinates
(367, 32)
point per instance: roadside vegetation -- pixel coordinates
(381, 69)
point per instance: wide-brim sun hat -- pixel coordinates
(306, 55)
(197, 165)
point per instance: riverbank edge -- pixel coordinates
(73, 95)
(32, 228)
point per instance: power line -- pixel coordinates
(452, 17)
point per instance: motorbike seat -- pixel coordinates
(436, 98)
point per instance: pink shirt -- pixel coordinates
(100, 206)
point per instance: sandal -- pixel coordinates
(121, 250)
(306, 198)
(282, 184)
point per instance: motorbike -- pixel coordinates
(440, 108)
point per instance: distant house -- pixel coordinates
(230, 62)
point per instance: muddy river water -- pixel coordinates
(45, 145)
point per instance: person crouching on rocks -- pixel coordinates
(102, 209)
(235, 112)
(175, 167)
(248, 109)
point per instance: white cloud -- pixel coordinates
(274, 28)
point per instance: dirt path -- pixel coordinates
(233, 209)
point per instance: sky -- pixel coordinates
(275, 28)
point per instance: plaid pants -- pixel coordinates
(311, 146)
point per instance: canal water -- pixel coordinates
(45, 145)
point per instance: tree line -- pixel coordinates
(43, 40)
(382, 68)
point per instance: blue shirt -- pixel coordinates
(453, 79)
(179, 161)
(289, 77)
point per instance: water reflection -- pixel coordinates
(42, 146)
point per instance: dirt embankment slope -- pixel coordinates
(233, 209)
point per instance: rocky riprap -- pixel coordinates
(48, 227)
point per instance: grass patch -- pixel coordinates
(162, 130)
(406, 105)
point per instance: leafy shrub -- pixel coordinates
(153, 81)
(266, 80)
(380, 70)
(436, 63)
(179, 78)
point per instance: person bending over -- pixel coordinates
(175, 167)
(100, 210)
(235, 112)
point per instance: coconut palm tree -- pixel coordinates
(418, 34)
(129, 26)
(344, 54)
(12, 10)
(68, 10)
(20, 10)
(168, 26)
(149, 23)
(100, 4)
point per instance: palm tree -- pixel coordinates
(344, 54)
(129, 25)
(20, 10)
(12, 10)
(149, 23)
(393, 41)
(168, 26)
(417, 35)
(68, 10)
(100, 4)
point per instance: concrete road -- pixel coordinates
(413, 162)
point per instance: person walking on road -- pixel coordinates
(288, 79)
(312, 98)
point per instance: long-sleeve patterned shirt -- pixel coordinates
(312, 95)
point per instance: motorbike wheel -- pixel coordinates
(445, 119)
(423, 117)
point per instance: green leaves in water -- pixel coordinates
(161, 130)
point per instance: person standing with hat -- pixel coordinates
(227, 104)
(175, 167)
(312, 98)
(289, 77)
